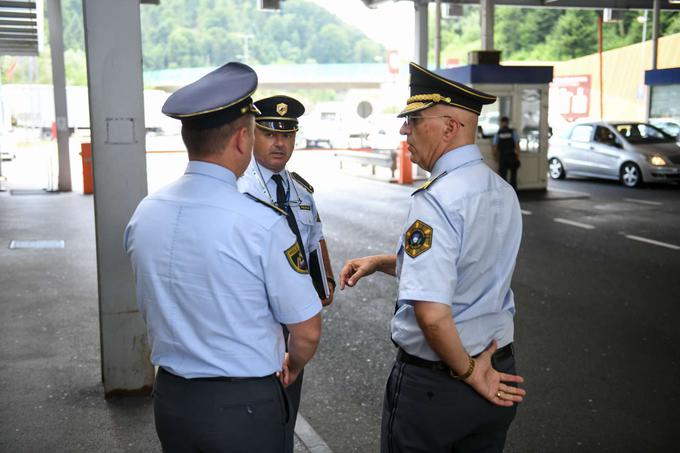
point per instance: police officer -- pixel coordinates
(267, 178)
(506, 149)
(216, 274)
(452, 386)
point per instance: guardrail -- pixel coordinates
(386, 158)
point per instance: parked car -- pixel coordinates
(488, 124)
(630, 152)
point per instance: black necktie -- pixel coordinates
(292, 223)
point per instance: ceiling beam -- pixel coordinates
(562, 4)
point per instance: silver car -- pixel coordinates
(630, 152)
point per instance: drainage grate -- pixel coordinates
(59, 244)
(31, 192)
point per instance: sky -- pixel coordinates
(391, 24)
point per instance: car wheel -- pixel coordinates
(631, 175)
(555, 169)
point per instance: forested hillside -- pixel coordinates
(193, 33)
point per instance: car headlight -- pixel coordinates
(657, 160)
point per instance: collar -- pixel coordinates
(211, 170)
(456, 158)
(267, 173)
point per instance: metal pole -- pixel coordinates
(655, 52)
(486, 15)
(113, 41)
(421, 33)
(438, 34)
(59, 86)
(599, 48)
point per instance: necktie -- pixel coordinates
(292, 223)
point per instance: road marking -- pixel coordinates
(525, 212)
(635, 200)
(309, 437)
(585, 226)
(653, 242)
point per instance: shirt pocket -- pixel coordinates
(305, 216)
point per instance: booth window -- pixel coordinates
(529, 129)
(491, 115)
(665, 101)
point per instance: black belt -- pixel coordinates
(403, 356)
(215, 378)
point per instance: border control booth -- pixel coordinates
(664, 86)
(523, 97)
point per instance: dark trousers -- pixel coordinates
(428, 411)
(237, 416)
(294, 393)
(510, 164)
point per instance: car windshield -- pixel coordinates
(642, 133)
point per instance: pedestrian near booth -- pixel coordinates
(506, 149)
(453, 385)
(215, 278)
(268, 179)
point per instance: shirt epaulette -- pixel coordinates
(269, 205)
(302, 182)
(428, 183)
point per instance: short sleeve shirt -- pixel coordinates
(458, 247)
(214, 277)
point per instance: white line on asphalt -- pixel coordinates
(309, 437)
(585, 226)
(525, 212)
(635, 200)
(653, 242)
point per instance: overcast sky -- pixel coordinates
(390, 24)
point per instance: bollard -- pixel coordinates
(405, 176)
(86, 153)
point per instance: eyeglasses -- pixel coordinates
(410, 119)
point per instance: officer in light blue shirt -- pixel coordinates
(268, 179)
(217, 273)
(453, 321)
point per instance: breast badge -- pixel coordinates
(296, 260)
(418, 239)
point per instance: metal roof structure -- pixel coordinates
(582, 4)
(20, 22)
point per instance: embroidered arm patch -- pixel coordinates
(418, 239)
(295, 259)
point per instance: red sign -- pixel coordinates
(570, 96)
(393, 61)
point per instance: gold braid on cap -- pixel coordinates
(434, 97)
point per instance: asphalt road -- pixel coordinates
(596, 328)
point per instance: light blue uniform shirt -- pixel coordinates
(257, 181)
(213, 279)
(475, 227)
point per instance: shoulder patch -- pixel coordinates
(418, 239)
(308, 187)
(269, 205)
(295, 258)
(428, 183)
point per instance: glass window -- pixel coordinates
(529, 129)
(491, 115)
(642, 133)
(604, 135)
(582, 133)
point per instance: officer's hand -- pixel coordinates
(284, 374)
(491, 384)
(355, 269)
(331, 292)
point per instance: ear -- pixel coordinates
(241, 138)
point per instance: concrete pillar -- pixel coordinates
(421, 34)
(438, 35)
(114, 71)
(59, 86)
(486, 14)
